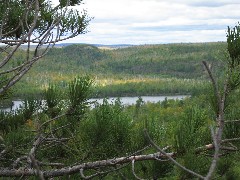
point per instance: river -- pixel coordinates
(124, 100)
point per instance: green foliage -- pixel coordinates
(52, 97)
(12, 16)
(76, 104)
(111, 130)
(7, 94)
(175, 60)
(10, 121)
(139, 103)
(79, 92)
(29, 107)
(64, 3)
(17, 142)
(137, 70)
(18, 128)
(148, 87)
(192, 130)
(233, 62)
(19, 14)
(106, 131)
(230, 166)
(233, 42)
(232, 112)
(199, 164)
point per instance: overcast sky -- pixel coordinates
(158, 21)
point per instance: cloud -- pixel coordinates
(182, 27)
(153, 37)
(213, 3)
(159, 21)
(203, 3)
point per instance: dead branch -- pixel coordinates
(18, 160)
(36, 166)
(232, 121)
(213, 81)
(101, 172)
(211, 146)
(6, 172)
(171, 157)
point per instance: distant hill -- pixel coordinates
(128, 68)
(61, 45)
(172, 60)
(96, 45)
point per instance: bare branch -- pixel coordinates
(50, 164)
(211, 146)
(101, 172)
(216, 155)
(229, 140)
(214, 84)
(18, 160)
(6, 59)
(6, 172)
(133, 170)
(171, 157)
(35, 165)
(232, 121)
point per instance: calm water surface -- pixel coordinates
(124, 100)
(132, 100)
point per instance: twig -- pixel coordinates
(35, 165)
(231, 121)
(133, 170)
(99, 173)
(215, 156)
(214, 84)
(170, 157)
(18, 160)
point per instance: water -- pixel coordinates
(132, 100)
(124, 100)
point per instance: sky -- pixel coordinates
(140, 22)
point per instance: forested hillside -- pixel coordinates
(172, 60)
(135, 70)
